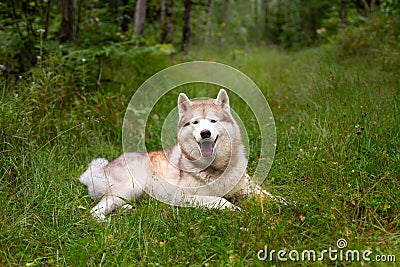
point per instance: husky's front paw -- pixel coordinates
(228, 205)
(100, 217)
(127, 207)
(222, 204)
(279, 199)
(98, 213)
(211, 202)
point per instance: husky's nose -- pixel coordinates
(205, 134)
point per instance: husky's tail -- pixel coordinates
(95, 178)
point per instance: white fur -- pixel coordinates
(116, 183)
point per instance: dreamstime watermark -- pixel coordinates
(338, 253)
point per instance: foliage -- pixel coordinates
(377, 38)
(391, 8)
(104, 24)
(291, 23)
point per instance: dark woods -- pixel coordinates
(31, 29)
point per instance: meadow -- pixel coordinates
(338, 157)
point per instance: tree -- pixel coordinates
(343, 13)
(369, 8)
(225, 23)
(256, 10)
(210, 12)
(266, 10)
(186, 25)
(140, 16)
(167, 26)
(121, 13)
(47, 19)
(69, 23)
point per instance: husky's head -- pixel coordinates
(206, 128)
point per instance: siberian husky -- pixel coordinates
(209, 150)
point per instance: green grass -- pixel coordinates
(337, 156)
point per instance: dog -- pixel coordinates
(208, 162)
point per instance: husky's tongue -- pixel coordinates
(207, 147)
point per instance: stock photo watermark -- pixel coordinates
(338, 253)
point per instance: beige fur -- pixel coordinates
(165, 173)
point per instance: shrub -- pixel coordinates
(378, 36)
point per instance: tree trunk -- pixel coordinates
(140, 16)
(225, 24)
(47, 19)
(186, 25)
(265, 6)
(120, 17)
(163, 21)
(369, 8)
(343, 13)
(210, 12)
(372, 6)
(69, 24)
(256, 20)
(167, 26)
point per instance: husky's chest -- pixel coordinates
(206, 176)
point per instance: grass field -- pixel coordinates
(338, 157)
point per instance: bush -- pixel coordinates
(378, 36)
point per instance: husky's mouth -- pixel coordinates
(207, 146)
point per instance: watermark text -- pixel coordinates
(338, 253)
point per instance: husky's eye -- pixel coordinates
(213, 121)
(186, 124)
(195, 122)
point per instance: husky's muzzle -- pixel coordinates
(207, 144)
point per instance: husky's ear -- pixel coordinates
(223, 98)
(183, 103)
